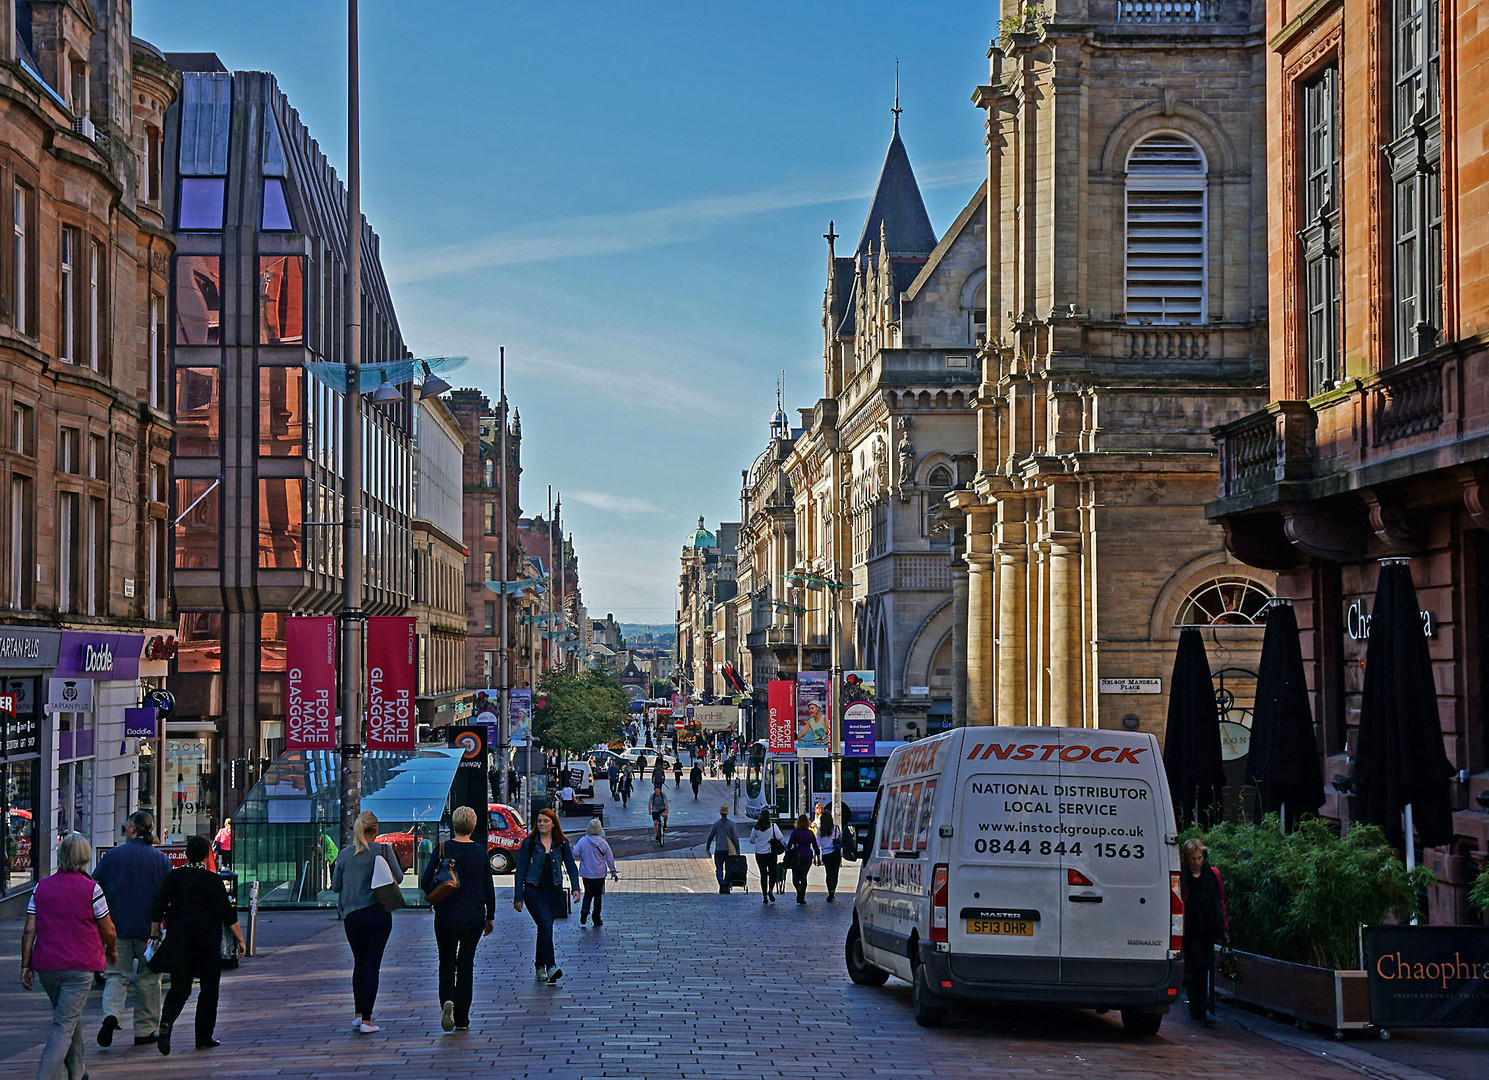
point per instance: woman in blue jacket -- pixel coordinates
(539, 883)
(461, 918)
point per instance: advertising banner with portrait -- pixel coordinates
(1428, 976)
(781, 732)
(310, 666)
(814, 727)
(391, 653)
(520, 716)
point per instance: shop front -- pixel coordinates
(27, 655)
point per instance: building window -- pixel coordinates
(67, 254)
(156, 359)
(974, 307)
(22, 542)
(490, 618)
(281, 411)
(281, 514)
(152, 164)
(491, 518)
(95, 306)
(491, 567)
(69, 550)
(23, 259)
(281, 300)
(1227, 601)
(23, 429)
(68, 458)
(1165, 231)
(98, 464)
(1415, 154)
(96, 551)
(198, 300)
(1319, 236)
(196, 528)
(200, 208)
(197, 425)
(276, 212)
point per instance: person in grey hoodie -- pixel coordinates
(131, 875)
(726, 836)
(593, 852)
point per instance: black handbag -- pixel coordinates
(167, 956)
(777, 847)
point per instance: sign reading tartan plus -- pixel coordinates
(390, 682)
(310, 708)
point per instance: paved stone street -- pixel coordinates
(680, 982)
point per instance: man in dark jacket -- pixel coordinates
(131, 875)
(723, 839)
(695, 778)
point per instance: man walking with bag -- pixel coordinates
(726, 837)
(131, 875)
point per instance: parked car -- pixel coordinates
(505, 833)
(631, 753)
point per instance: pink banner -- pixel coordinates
(781, 699)
(310, 653)
(391, 645)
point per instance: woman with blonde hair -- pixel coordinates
(367, 924)
(460, 918)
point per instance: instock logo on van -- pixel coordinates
(1046, 751)
(917, 759)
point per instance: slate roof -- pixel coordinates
(897, 203)
(194, 61)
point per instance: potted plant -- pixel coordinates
(1296, 904)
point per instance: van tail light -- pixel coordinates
(940, 879)
(1175, 915)
(1075, 877)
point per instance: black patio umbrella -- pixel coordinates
(1400, 764)
(1283, 759)
(1191, 743)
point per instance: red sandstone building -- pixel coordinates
(1376, 440)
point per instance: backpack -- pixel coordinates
(657, 804)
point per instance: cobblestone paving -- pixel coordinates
(680, 982)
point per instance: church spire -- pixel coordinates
(897, 207)
(896, 110)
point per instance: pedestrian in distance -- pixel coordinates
(641, 762)
(222, 844)
(614, 777)
(767, 843)
(677, 773)
(461, 918)
(566, 799)
(592, 851)
(194, 908)
(695, 778)
(627, 786)
(658, 775)
(723, 841)
(1205, 924)
(830, 846)
(67, 939)
(539, 885)
(657, 806)
(131, 875)
(801, 851)
(366, 923)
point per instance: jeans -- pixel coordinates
(367, 931)
(832, 862)
(766, 864)
(721, 867)
(62, 1057)
(541, 904)
(594, 891)
(209, 976)
(799, 871)
(457, 960)
(138, 988)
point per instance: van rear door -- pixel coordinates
(1116, 861)
(1006, 897)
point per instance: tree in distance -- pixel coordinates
(574, 712)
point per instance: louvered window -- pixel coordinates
(1165, 231)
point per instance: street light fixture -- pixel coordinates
(386, 394)
(433, 385)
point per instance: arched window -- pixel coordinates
(1225, 601)
(974, 307)
(1165, 231)
(940, 479)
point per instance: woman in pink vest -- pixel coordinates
(68, 937)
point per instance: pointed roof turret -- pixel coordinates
(897, 209)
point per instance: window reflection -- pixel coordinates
(201, 203)
(197, 423)
(198, 300)
(280, 517)
(281, 300)
(199, 642)
(276, 217)
(272, 644)
(281, 411)
(196, 533)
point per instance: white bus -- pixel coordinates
(773, 781)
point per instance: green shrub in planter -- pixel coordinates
(1478, 896)
(1301, 897)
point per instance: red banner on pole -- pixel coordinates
(310, 710)
(781, 698)
(391, 645)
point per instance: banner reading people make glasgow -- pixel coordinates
(310, 705)
(781, 698)
(391, 644)
(1428, 976)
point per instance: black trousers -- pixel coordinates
(208, 973)
(457, 960)
(367, 931)
(766, 864)
(799, 871)
(1199, 974)
(832, 862)
(541, 905)
(594, 892)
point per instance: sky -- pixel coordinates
(630, 197)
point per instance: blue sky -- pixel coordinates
(630, 197)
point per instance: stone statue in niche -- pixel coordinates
(881, 465)
(907, 459)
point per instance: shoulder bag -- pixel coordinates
(446, 880)
(387, 890)
(777, 845)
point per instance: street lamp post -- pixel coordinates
(504, 685)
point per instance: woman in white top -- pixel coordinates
(830, 843)
(764, 838)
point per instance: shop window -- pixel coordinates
(276, 215)
(281, 514)
(201, 204)
(1227, 601)
(189, 784)
(198, 300)
(281, 300)
(20, 824)
(198, 426)
(75, 798)
(281, 411)
(197, 502)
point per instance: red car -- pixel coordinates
(505, 832)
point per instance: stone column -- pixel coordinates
(980, 646)
(1067, 684)
(959, 616)
(1013, 629)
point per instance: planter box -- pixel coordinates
(1338, 1000)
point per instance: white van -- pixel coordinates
(1023, 865)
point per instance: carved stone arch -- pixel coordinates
(929, 636)
(1193, 574)
(973, 295)
(929, 463)
(1205, 130)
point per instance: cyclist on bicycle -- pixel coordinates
(657, 804)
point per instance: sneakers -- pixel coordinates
(356, 1023)
(540, 974)
(366, 1027)
(106, 1032)
(447, 1016)
(554, 974)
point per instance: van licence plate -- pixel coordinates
(1006, 927)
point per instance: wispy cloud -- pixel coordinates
(615, 504)
(681, 222)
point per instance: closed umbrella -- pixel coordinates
(1191, 744)
(1401, 768)
(1283, 759)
